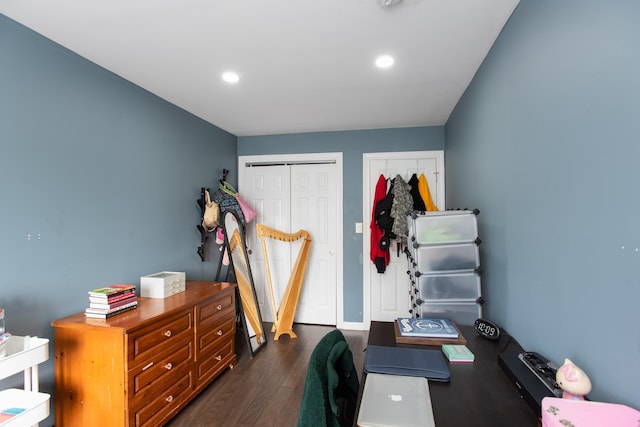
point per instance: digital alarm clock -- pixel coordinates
(487, 329)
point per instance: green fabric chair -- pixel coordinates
(330, 393)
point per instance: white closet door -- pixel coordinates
(268, 191)
(291, 198)
(313, 203)
(388, 293)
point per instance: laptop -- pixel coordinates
(395, 401)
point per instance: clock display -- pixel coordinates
(487, 329)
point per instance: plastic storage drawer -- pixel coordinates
(446, 258)
(443, 227)
(464, 286)
(463, 313)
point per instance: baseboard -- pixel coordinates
(353, 326)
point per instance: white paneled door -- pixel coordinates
(387, 294)
(291, 197)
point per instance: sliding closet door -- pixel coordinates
(268, 189)
(290, 198)
(313, 202)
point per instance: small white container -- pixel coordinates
(162, 284)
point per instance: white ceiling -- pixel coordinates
(304, 66)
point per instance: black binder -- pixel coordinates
(411, 362)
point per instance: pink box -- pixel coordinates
(558, 412)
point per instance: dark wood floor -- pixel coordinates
(266, 390)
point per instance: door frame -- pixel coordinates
(302, 158)
(368, 189)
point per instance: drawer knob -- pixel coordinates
(168, 366)
(169, 399)
(219, 307)
(220, 333)
(168, 333)
(218, 358)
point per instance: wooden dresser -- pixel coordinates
(139, 368)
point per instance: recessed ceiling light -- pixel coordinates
(384, 61)
(230, 77)
(388, 3)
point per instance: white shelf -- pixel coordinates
(34, 406)
(24, 354)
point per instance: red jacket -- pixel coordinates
(379, 257)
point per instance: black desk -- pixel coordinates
(480, 393)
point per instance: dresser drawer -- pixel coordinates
(155, 338)
(211, 311)
(162, 370)
(210, 337)
(153, 411)
(218, 357)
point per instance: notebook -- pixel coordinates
(413, 362)
(395, 400)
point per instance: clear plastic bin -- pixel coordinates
(443, 227)
(462, 313)
(446, 258)
(440, 287)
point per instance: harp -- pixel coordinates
(284, 313)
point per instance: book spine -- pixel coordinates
(111, 310)
(113, 297)
(110, 305)
(458, 353)
(107, 315)
(111, 290)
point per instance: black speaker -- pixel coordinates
(529, 386)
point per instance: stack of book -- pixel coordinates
(427, 331)
(111, 300)
(458, 353)
(427, 327)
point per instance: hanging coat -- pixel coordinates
(402, 204)
(379, 256)
(418, 203)
(423, 188)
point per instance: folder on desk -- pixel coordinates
(413, 362)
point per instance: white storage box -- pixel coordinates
(163, 284)
(443, 227)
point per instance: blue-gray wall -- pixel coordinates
(546, 142)
(98, 179)
(352, 144)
